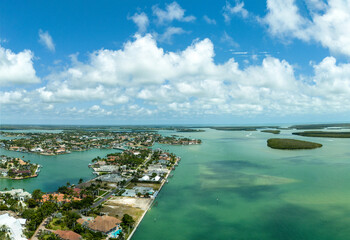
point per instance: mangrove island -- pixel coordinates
(291, 144)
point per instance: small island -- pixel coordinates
(324, 134)
(271, 131)
(189, 130)
(16, 168)
(291, 144)
(242, 128)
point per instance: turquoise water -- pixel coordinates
(234, 187)
(116, 233)
(57, 170)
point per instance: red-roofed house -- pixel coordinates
(68, 235)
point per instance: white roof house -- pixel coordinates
(18, 193)
(14, 225)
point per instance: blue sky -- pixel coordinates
(173, 62)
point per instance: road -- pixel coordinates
(99, 202)
(41, 227)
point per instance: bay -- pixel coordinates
(234, 187)
(56, 171)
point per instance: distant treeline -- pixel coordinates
(242, 128)
(271, 131)
(320, 126)
(323, 134)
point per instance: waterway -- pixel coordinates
(234, 187)
(56, 171)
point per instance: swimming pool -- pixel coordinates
(115, 233)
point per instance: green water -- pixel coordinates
(57, 170)
(234, 187)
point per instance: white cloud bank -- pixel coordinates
(16, 68)
(142, 79)
(328, 23)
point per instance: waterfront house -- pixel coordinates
(144, 190)
(23, 173)
(105, 224)
(129, 193)
(60, 150)
(115, 178)
(68, 235)
(111, 158)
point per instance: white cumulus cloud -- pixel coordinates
(328, 23)
(17, 68)
(142, 79)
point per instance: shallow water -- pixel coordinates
(234, 187)
(56, 171)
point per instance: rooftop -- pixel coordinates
(68, 235)
(104, 223)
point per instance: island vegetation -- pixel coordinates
(320, 126)
(324, 134)
(291, 144)
(242, 128)
(189, 130)
(271, 131)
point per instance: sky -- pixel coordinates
(174, 62)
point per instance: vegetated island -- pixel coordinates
(323, 134)
(291, 144)
(271, 131)
(189, 130)
(242, 128)
(320, 126)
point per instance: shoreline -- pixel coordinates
(36, 174)
(151, 203)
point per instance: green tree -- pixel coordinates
(37, 194)
(127, 220)
(31, 203)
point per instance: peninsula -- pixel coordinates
(81, 140)
(16, 168)
(109, 206)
